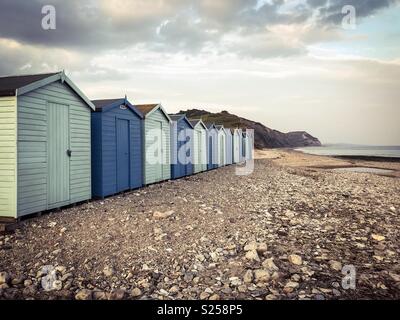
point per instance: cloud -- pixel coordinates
(87, 29)
(331, 12)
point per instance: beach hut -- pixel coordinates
(212, 146)
(250, 145)
(229, 146)
(156, 143)
(247, 150)
(221, 146)
(236, 141)
(116, 147)
(181, 146)
(44, 144)
(200, 145)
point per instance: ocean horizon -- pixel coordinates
(353, 150)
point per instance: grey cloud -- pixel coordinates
(174, 25)
(331, 13)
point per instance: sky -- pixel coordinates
(291, 65)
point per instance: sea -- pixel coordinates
(353, 150)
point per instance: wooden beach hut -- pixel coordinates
(200, 145)
(181, 146)
(45, 158)
(212, 146)
(116, 147)
(221, 145)
(236, 141)
(156, 143)
(247, 151)
(229, 146)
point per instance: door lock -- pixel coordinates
(69, 153)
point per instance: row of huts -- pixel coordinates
(57, 147)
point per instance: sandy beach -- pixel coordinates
(290, 230)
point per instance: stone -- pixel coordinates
(4, 277)
(248, 276)
(242, 288)
(292, 284)
(27, 283)
(295, 259)
(204, 295)
(4, 286)
(61, 269)
(108, 271)
(136, 292)
(174, 290)
(29, 291)
(377, 237)
(200, 257)
(17, 281)
(163, 215)
(214, 297)
(335, 265)
(270, 265)
(261, 275)
(252, 255)
(262, 248)
(57, 285)
(235, 281)
(117, 294)
(394, 276)
(99, 295)
(393, 209)
(84, 294)
(271, 297)
(164, 292)
(250, 246)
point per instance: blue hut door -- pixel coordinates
(123, 172)
(58, 153)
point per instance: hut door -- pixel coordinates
(123, 172)
(160, 151)
(58, 153)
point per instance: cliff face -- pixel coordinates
(264, 136)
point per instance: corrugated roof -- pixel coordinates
(100, 104)
(9, 84)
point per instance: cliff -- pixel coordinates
(264, 136)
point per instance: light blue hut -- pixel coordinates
(229, 146)
(200, 145)
(212, 142)
(45, 158)
(156, 143)
(221, 145)
(236, 142)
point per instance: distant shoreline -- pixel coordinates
(366, 158)
(378, 154)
